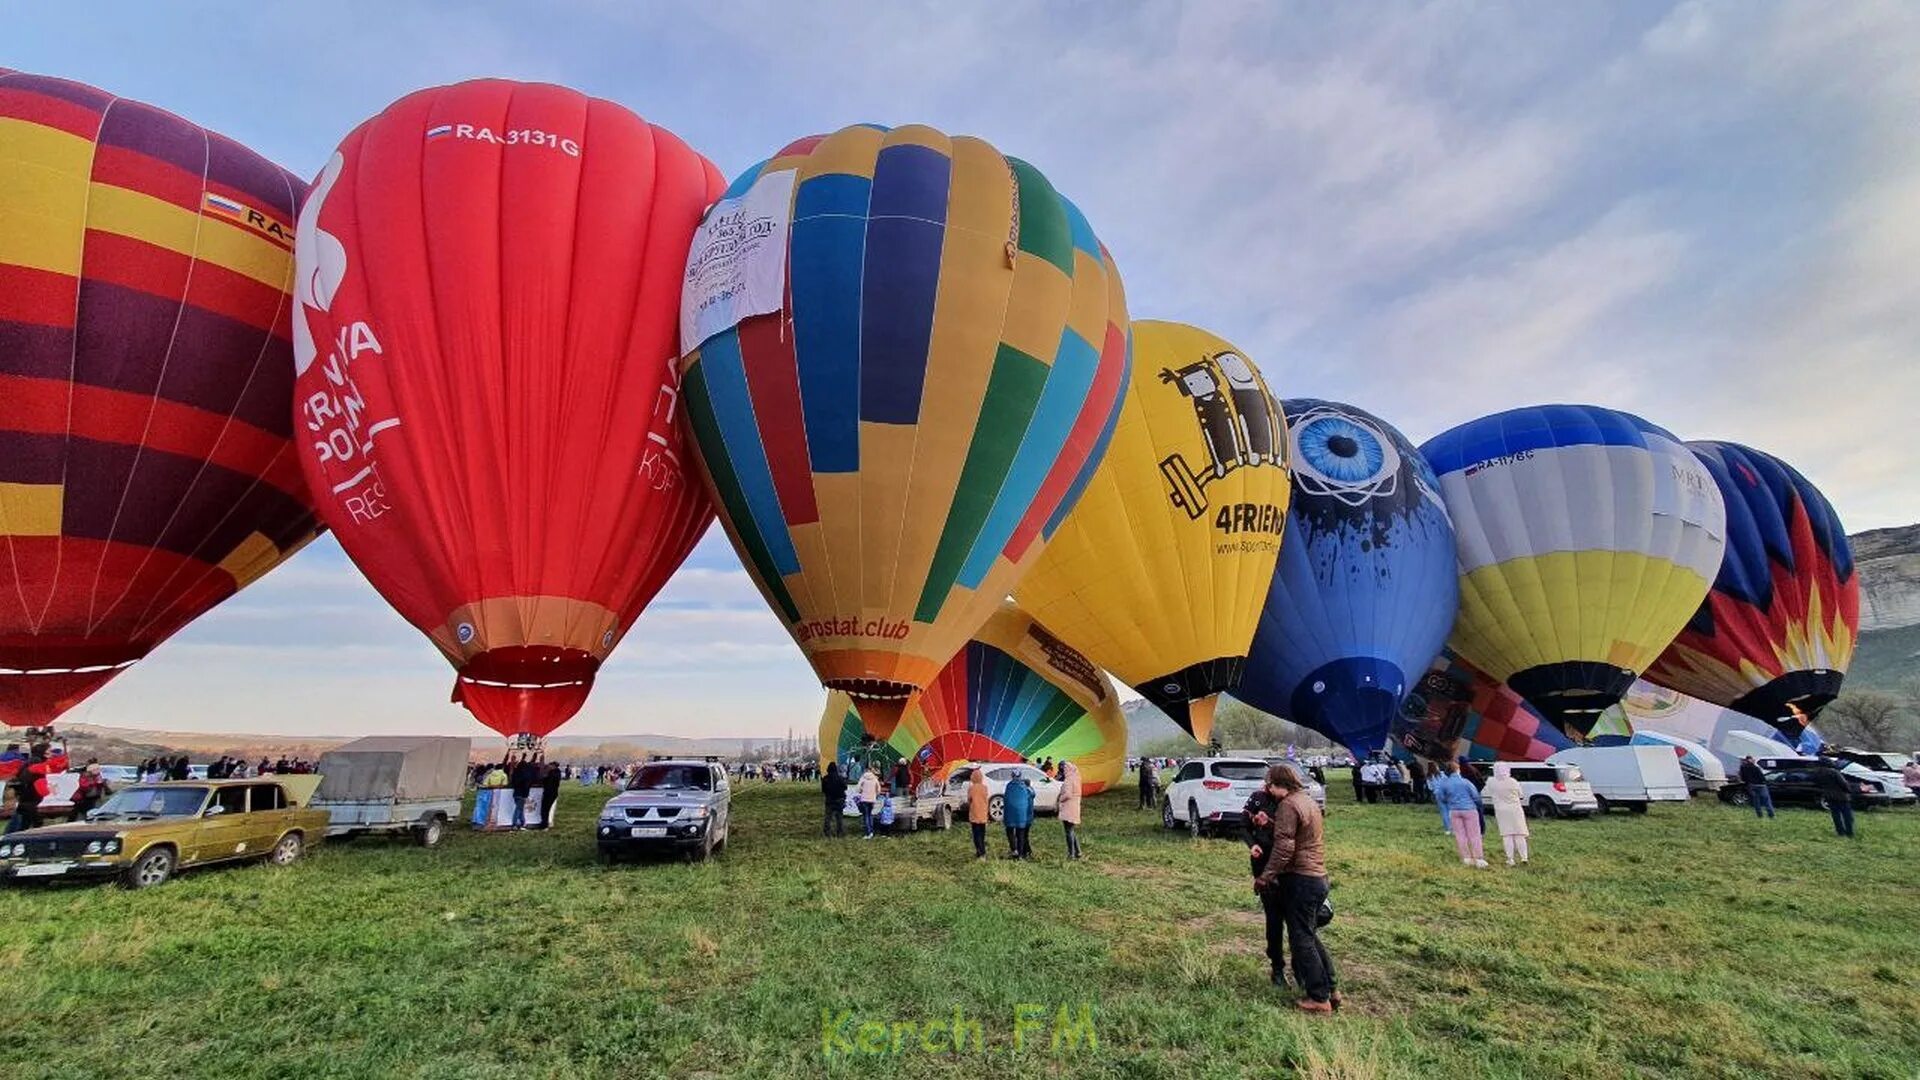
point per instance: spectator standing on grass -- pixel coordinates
(523, 777)
(1471, 774)
(1509, 811)
(1017, 807)
(978, 811)
(1359, 781)
(833, 791)
(1461, 802)
(868, 796)
(1293, 884)
(1149, 781)
(1834, 789)
(1070, 806)
(549, 793)
(1257, 817)
(1911, 774)
(1754, 780)
(91, 790)
(29, 789)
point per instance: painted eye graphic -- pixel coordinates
(1343, 456)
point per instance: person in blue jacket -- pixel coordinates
(1460, 801)
(1018, 801)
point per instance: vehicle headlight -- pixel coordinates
(6, 851)
(696, 811)
(93, 848)
(111, 847)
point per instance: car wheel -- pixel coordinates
(1167, 820)
(1194, 828)
(429, 835)
(287, 850)
(1637, 808)
(1735, 796)
(1601, 800)
(943, 818)
(1542, 806)
(152, 868)
(997, 808)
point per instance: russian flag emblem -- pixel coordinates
(221, 205)
(436, 132)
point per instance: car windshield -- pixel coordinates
(1240, 770)
(672, 778)
(152, 802)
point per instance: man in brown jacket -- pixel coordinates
(1292, 885)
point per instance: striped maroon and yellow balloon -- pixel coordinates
(904, 355)
(145, 383)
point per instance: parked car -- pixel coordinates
(1209, 794)
(397, 785)
(1891, 784)
(1878, 760)
(1549, 789)
(1046, 791)
(145, 833)
(674, 804)
(1795, 781)
(1630, 776)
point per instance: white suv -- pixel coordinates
(1046, 792)
(1549, 790)
(1211, 793)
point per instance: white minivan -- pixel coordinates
(1631, 776)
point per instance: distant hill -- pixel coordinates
(126, 746)
(1147, 724)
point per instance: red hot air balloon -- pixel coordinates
(486, 396)
(145, 393)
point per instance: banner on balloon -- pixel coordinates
(737, 265)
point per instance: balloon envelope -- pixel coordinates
(1159, 573)
(903, 354)
(489, 280)
(1455, 711)
(1586, 538)
(1013, 692)
(146, 472)
(1774, 637)
(1365, 590)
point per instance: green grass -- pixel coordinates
(1695, 941)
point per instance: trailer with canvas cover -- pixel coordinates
(393, 784)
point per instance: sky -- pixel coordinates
(1706, 213)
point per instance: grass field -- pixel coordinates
(1695, 941)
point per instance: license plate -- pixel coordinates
(43, 869)
(647, 830)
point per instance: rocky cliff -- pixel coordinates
(1889, 565)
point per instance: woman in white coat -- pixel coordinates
(1070, 806)
(1509, 811)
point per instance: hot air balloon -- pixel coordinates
(1586, 539)
(904, 353)
(1159, 573)
(1455, 710)
(1014, 693)
(1774, 637)
(1365, 590)
(145, 393)
(487, 400)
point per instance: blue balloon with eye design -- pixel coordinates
(1366, 587)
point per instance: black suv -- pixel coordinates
(1796, 782)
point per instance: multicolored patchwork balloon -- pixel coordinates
(1365, 591)
(1455, 711)
(146, 383)
(1014, 692)
(1774, 637)
(1586, 537)
(904, 354)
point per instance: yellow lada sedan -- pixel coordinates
(144, 833)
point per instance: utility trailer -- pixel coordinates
(393, 784)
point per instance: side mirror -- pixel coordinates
(214, 811)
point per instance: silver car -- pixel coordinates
(675, 805)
